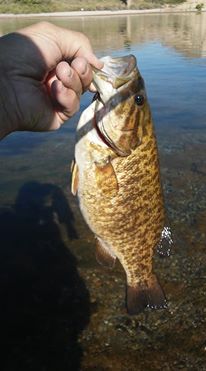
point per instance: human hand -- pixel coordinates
(44, 69)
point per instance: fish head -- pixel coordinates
(121, 103)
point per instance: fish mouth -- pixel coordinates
(116, 74)
(116, 71)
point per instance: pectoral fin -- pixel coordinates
(106, 179)
(75, 178)
(103, 255)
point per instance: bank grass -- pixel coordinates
(46, 6)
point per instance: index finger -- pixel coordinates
(57, 44)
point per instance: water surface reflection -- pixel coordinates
(186, 32)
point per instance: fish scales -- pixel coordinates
(119, 187)
(118, 214)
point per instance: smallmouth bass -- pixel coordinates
(116, 177)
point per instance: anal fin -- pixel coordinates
(145, 295)
(104, 255)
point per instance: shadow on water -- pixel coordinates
(44, 301)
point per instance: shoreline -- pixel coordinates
(94, 13)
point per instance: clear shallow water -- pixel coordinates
(60, 309)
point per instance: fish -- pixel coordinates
(116, 176)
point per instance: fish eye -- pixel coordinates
(139, 100)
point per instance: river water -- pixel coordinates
(59, 309)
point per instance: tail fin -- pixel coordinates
(146, 295)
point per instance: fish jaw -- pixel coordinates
(118, 118)
(116, 71)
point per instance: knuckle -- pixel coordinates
(44, 25)
(79, 64)
(83, 38)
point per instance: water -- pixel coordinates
(60, 310)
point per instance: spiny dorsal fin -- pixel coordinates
(106, 179)
(104, 255)
(145, 295)
(75, 178)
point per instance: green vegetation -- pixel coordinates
(199, 7)
(37, 6)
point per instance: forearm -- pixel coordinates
(3, 126)
(7, 91)
(7, 122)
(4, 104)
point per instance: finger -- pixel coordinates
(65, 100)
(84, 71)
(69, 77)
(56, 44)
(76, 44)
(86, 52)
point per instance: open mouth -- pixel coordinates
(116, 71)
(97, 96)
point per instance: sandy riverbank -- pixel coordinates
(187, 6)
